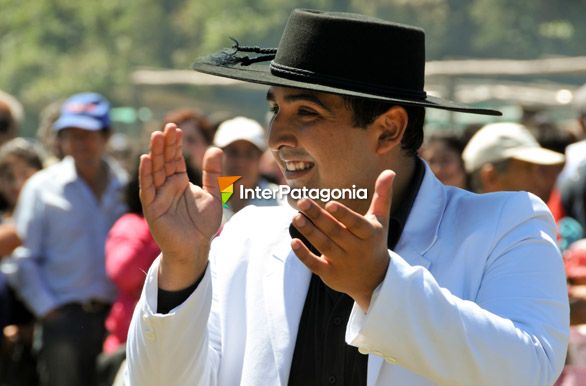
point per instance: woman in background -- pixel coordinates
(19, 160)
(443, 153)
(130, 251)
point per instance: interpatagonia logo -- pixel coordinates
(281, 192)
(227, 187)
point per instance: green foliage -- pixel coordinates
(528, 28)
(50, 49)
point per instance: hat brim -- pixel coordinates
(77, 121)
(224, 143)
(537, 155)
(260, 73)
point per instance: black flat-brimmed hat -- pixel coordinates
(339, 53)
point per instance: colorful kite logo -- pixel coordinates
(227, 187)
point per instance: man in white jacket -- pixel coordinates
(420, 284)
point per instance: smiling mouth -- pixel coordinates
(296, 166)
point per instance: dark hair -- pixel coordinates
(7, 122)
(182, 115)
(365, 111)
(22, 149)
(551, 136)
(26, 151)
(133, 187)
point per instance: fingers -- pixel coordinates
(354, 222)
(323, 241)
(314, 263)
(172, 149)
(180, 166)
(380, 206)
(145, 177)
(326, 223)
(166, 154)
(157, 158)
(212, 169)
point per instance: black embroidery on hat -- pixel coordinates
(256, 49)
(230, 58)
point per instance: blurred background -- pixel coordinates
(525, 57)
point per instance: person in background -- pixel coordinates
(121, 148)
(575, 264)
(572, 201)
(197, 133)
(576, 152)
(443, 153)
(243, 141)
(19, 160)
(506, 157)
(11, 115)
(130, 250)
(46, 135)
(572, 186)
(63, 216)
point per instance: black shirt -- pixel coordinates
(321, 355)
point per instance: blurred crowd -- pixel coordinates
(74, 245)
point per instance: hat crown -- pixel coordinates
(504, 140)
(88, 111)
(335, 47)
(338, 53)
(240, 129)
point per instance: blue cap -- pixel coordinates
(88, 111)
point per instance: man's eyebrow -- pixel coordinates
(305, 96)
(270, 96)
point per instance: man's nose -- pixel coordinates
(281, 134)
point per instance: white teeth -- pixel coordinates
(293, 166)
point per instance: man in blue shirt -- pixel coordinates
(63, 216)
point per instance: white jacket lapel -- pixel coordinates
(418, 236)
(285, 283)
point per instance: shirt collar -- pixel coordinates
(69, 173)
(116, 175)
(400, 213)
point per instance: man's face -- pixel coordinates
(194, 143)
(315, 144)
(14, 173)
(445, 163)
(537, 179)
(242, 158)
(85, 146)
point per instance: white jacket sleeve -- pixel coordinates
(514, 332)
(172, 349)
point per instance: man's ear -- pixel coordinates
(489, 178)
(390, 128)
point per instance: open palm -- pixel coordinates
(183, 218)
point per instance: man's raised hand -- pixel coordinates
(183, 218)
(354, 251)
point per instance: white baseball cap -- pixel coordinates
(240, 129)
(500, 141)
